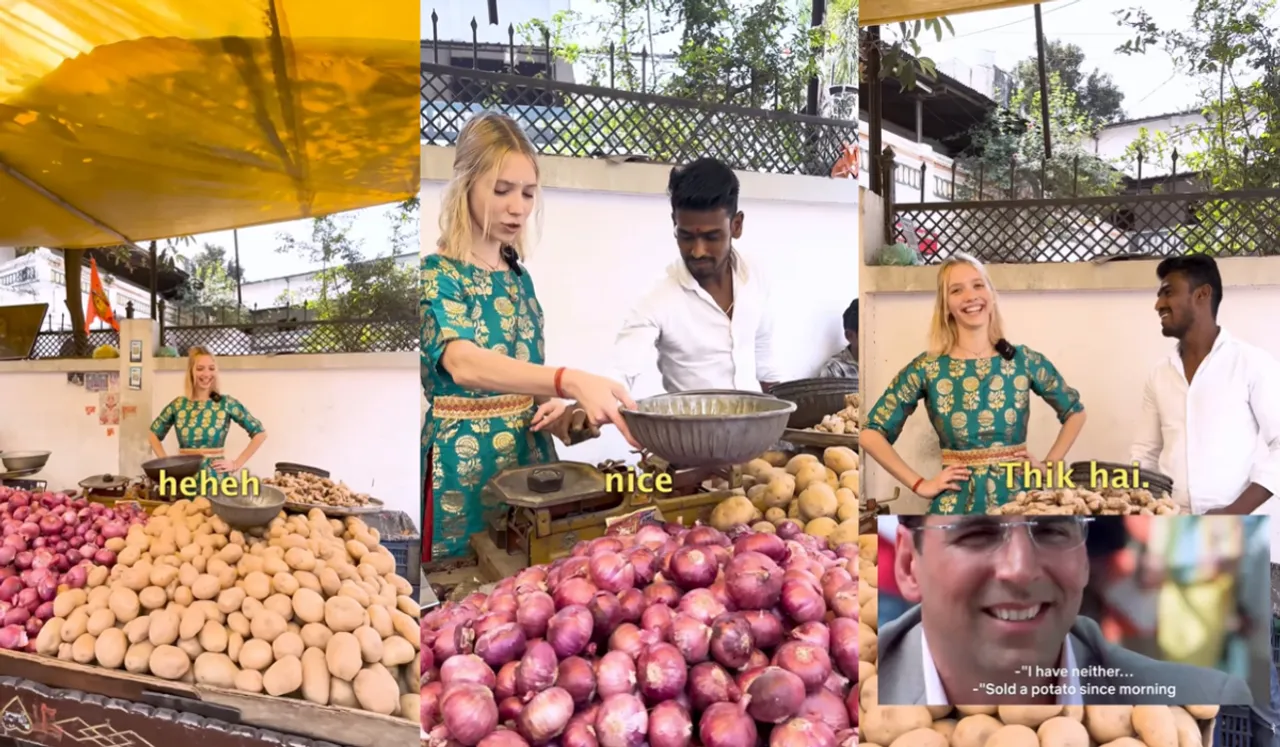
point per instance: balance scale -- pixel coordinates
(538, 513)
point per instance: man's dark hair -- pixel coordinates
(705, 184)
(1200, 269)
(851, 317)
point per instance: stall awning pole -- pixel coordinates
(155, 276)
(235, 237)
(1044, 85)
(874, 107)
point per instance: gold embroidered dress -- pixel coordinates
(203, 425)
(980, 410)
(470, 436)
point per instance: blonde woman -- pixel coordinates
(976, 387)
(492, 402)
(203, 418)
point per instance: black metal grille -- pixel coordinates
(324, 336)
(1245, 223)
(61, 343)
(570, 119)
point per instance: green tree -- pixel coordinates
(211, 282)
(1008, 151)
(1006, 160)
(758, 54)
(1096, 96)
(370, 297)
(1231, 48)
(747, 53)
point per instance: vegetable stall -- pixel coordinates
(227, 609)
(538, 513)
(135, 121)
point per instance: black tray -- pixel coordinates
(291, 468)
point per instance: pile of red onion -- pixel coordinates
(50, 541)
(672, 637)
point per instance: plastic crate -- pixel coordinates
(1234, 728)
(402, 539)
(1275, 640)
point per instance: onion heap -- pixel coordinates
(669, 638)
(51, 542)
(1002, 726)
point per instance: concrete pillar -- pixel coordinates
(135, 404)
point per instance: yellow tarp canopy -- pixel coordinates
(160, 118)
(881, 12)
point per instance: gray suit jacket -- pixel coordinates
(901, 670)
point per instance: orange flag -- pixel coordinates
(99, 306)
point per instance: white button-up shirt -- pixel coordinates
(1218, 434)
(696, 344)
(936, 695)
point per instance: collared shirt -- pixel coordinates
(842, 365)
(936, 694)
(1218, 434)
(696, 344)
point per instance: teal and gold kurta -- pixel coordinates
(980, 409)
(470, 436)
(204, 424)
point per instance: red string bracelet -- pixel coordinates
(559, 379)
(916, 487)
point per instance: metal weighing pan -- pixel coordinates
(708, 428)
(15, 461)
(177, 467)
(373, 507)
(819, 439)
(293, 468)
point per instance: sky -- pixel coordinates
(1149, 82)
(258, 244)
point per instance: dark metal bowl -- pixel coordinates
(249, 511)
(177, 467)
(814, 399)
(293, 468)
(706, 428)
(17, 461)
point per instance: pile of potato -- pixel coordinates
(847, 421)
(1083, 502)
(315, 490)
(306, 607)
(1003, 726)
(820, 496)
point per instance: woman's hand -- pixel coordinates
(548, 413)
(601, 399)
(1032, 465)
(573, 427)
(946, 481)
(223, 466)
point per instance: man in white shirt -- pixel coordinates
(1211, 410)
(1211, 415)
(707, 321)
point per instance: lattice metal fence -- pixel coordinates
(570, 119)
(273, 338)
(61, 343)
(1245, 223)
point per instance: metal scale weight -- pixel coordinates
(537, 514)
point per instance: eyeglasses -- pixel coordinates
(983, 535)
